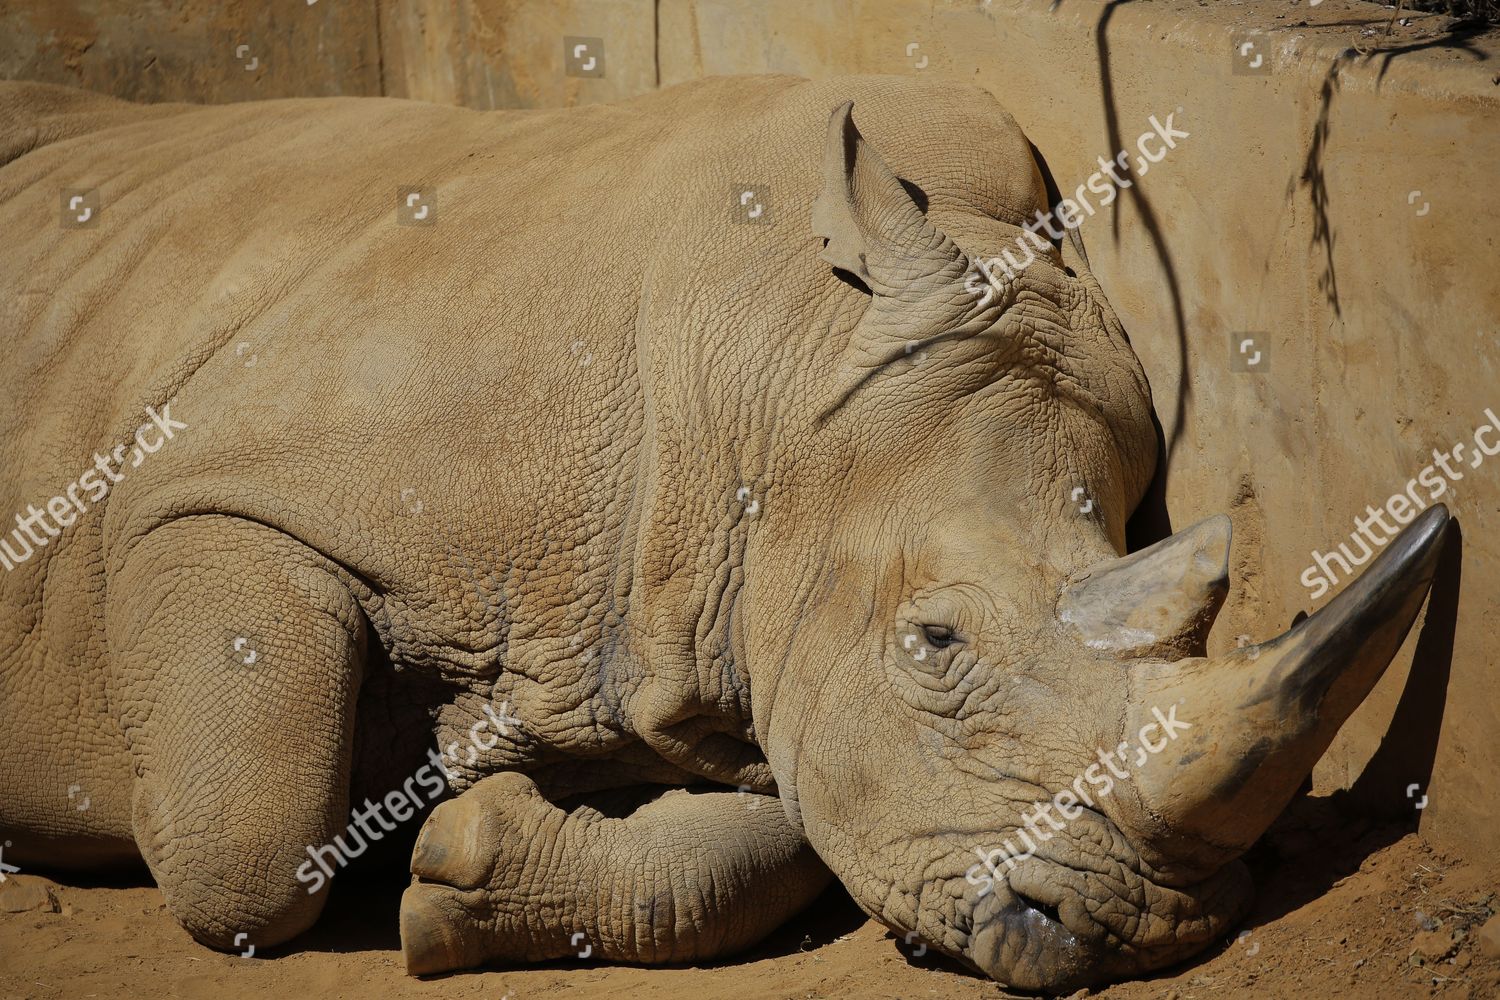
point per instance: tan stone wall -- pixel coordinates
(511, 53)
(479, 53)
(206, 51)
(1287, 214)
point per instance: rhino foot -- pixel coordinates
(500, 874)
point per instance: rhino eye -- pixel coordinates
(938, 636)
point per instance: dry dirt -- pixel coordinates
(1345, 909)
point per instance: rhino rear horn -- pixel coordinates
(1157, 603)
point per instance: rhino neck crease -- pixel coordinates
(714, 440)
(693, 707)
(729, 376)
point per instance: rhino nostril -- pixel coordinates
(1043, 909)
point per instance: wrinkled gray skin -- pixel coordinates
(718, 510)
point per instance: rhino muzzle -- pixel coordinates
(1254, 721)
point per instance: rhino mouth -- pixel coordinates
(1025, 943)
(1077, 913)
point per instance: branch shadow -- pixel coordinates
(1456, 35)
(1135, 197)
(1314, 178)
(1150, 521)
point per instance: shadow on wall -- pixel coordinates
(1313, 177)
(1455, 36)
(1134, 195)
(1315, 180)
(1151, 521)
(1406, 754)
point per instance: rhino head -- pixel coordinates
(1002, 736)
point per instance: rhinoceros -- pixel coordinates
(644, 484)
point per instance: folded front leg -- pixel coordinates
(235, 658)
(501, 874)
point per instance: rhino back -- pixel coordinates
(506, 425)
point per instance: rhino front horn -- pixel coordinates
(1252, 723)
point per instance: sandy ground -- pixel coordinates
(1345, 909)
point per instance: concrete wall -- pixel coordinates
(480, 53)
(193, 50)
(1338, 209)
(514, 53)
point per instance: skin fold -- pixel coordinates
(759, 529)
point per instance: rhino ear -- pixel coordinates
(874, 229)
